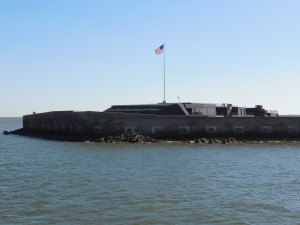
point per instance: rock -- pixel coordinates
(101, 139)
(224, 141)
(5, 132)
(216, 141)
(231, 140)
(132, 139)
(203, 140)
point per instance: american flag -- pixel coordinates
(159, 50)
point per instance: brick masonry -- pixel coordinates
(109, 123)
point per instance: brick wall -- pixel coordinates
(103, 123)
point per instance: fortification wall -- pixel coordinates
(103, 123)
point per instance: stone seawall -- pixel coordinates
(95, 124)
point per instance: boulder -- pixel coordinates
(204, 140)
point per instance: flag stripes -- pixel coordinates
(159, 50)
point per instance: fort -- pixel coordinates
(175, 121)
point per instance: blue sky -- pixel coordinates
(88, 55)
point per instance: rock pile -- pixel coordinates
(122, 138)
(127, 137)
(215, 140)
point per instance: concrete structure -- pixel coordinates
(260, 111)
(229, 110)
(167, 109)
(165, 126)
(201, 109)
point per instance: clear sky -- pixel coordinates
(90, 54)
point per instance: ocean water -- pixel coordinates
(52, 182)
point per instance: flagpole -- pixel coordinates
(164, 73)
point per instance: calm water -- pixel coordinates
(50, 182)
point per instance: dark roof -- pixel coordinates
(157, 109)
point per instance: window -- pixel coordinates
(211, 129)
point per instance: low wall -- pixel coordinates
(104, 123)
